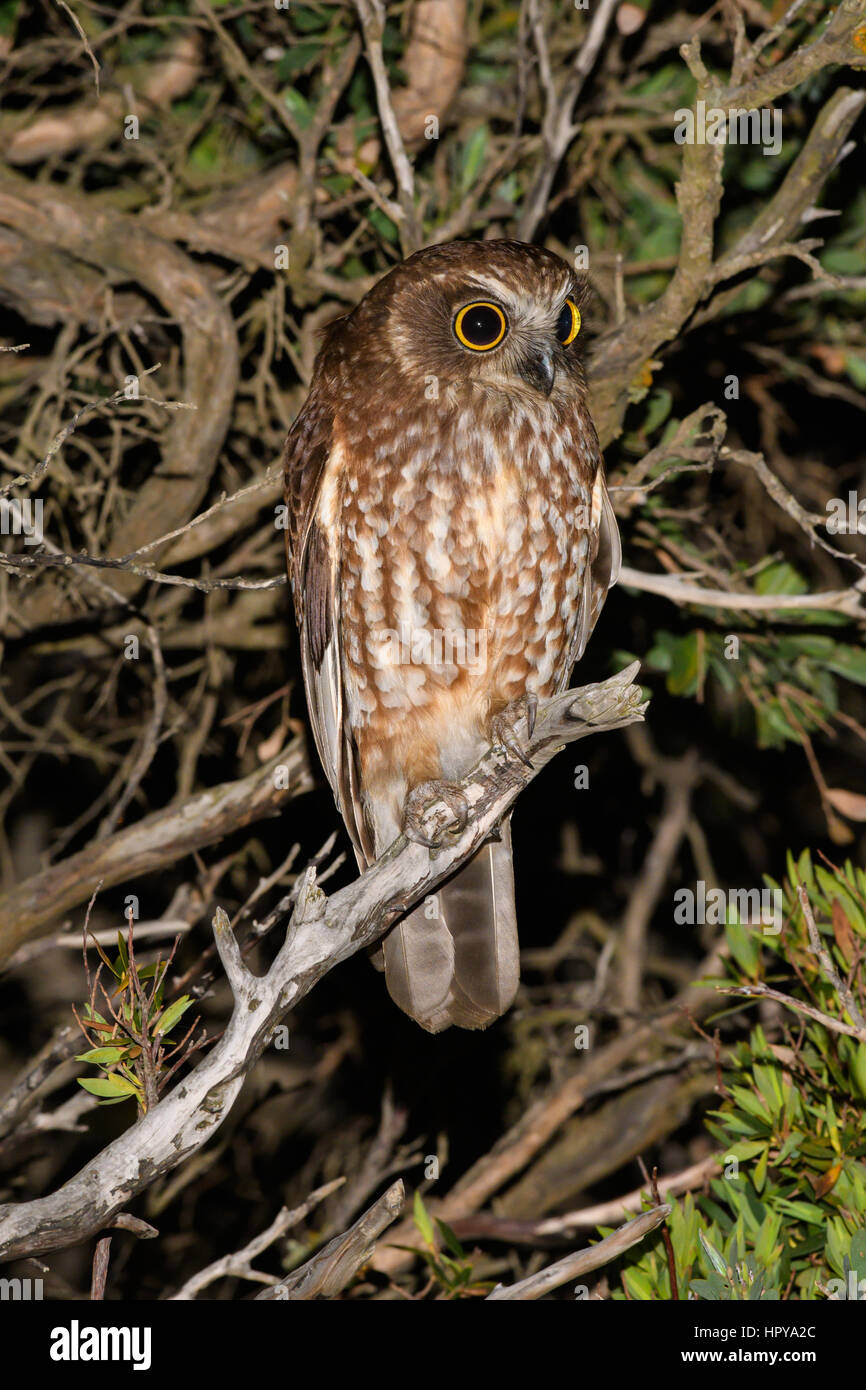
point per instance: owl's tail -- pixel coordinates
(455, 958)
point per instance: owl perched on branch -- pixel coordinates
(451, 542)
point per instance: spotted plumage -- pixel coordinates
(451, 543)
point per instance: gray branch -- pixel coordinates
(331, 1269)
(583, 1261)
(322, 932)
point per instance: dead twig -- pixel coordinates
(584, 1261)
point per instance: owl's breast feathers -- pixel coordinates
(446, 559)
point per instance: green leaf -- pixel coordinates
(422, 1220)
(780, 578)
(383, 224)
(759, 1173)
(683, 675)
(298, 106)
(711, 1290)
(308, 20)
(718, 1261)
(105, 1056)
(639, 1285)
(849, 662)
(746, 1148)
(112, 1087)
(858, 1070)
(451, 1241)
(856, 368)
(472, 158)
(804, 1211)
(173, 1013)
(744, 949)
(297, 58)
(658, 409)
(9, 16)
(857, 1253)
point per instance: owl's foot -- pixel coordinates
(502, 729)
(423, 820)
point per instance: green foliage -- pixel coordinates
(787, 1214)
(450, 1268)
(130, 1050)
(788, 678)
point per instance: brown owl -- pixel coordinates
(451, 543)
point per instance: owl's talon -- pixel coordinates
(420, 805)
(531, 712)
(503, 726)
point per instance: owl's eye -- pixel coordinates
(480, 326)
(568, 323)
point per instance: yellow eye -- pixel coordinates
(568, 323)
(480, 326)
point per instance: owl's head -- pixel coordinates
(501, 315)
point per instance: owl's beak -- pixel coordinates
(539, 369)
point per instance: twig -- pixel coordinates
(652, 1180)
(604, 1212)
(100, 1269)
(162, 838)
(57, 560)
(149, 742)
(834, 1025)
(828, 970)
(583, 1261)
(681, 590)
(372, 16)
(25, 479)
(238, 1265)
(680, 778)
(558, 127)
(85, 43)
(329, 1271)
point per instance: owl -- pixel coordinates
(450, 545)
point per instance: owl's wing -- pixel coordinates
(314, 562)
(605, 559)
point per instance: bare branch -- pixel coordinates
(34, 906)
(238, 1265)
(679, 589)
(322, 932)
(372, 16)
(328, 1272)
(573, 1266)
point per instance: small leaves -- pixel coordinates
(472, 158)
(788, 1211)
(172, 1015)
(110, 1087)
(715, 1259)
(422, 1220)
(131, 1046)
(452, 1271)
(103, 1055)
